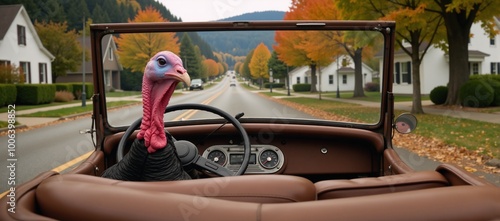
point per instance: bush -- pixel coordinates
(275, 85)
(496, 91)
(63, 96)
(438, 94)
(64, 87)
(32, 94)
(8, 94)
(476, 93)
(372, 86)
(301, 87)
(77, 90)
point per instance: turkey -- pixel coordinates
(152, 155)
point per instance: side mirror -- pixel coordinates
(405, 123)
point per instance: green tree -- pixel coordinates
(258, 63)
(245, 69)
(458, 16)
(99, 16)
(75, 10)
(63, 44)
(191, 60)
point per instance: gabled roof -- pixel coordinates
(9, 13)
(107, 43)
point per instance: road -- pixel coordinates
(52, 146)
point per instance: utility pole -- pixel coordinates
(84, 95)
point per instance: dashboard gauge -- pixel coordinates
(269, 159)
(217, 157)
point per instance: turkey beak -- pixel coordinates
(184, 77)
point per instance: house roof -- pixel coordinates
(8, 12)
(107, 42)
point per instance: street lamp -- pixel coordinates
(271, 79)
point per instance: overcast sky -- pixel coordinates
(211, 10)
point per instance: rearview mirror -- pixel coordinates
(405, 123)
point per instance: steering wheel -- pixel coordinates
(187, 151)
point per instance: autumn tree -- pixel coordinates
(63, 45)
(135, 50)
(190, 59)
(279, 67)
(415, 26)
(258, 63)
(458, 16)
(211, 67)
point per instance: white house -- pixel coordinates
(21, 47)
(484, 58)
(333, 75)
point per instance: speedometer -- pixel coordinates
(217, 157)
(269, 159)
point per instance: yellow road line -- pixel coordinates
(64, 166)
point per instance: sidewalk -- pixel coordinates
(36, 121)
(406, 106)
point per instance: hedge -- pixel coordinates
(372, 87)
(438, 94)
(8, 94)
(275, 85)
(77, 89)
(496, 91)
(301, 87)
(32, 94)
(476, 93)
(64, 87)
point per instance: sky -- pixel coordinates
(211, 10)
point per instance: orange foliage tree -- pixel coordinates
(135, 50)
(258, 63)
(312, 48)
(211, 67)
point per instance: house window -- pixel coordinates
(306, 80)
(492, 41)
(495, 68)
(21, 35)
(4, 63)
(474, 68)
(107, 78)
(298, 80)
(42, 69)
(110, 53)
(402, 72)
(344, 79)
(330, 79)
(26, 71)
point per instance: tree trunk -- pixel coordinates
(457, 31)
(416, 107)
(358, 74)
(313, 78)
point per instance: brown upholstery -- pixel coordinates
(93, 165)
(458, 176)
(96, 201)
(330, 189)
(256, 188)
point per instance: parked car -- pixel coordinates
(232, 83)
(196, 84)
(252, 158)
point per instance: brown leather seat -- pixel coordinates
(331, 189)
(256, 188)
(66, 199)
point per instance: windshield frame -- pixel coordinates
(386, 28)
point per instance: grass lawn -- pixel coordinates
(123, 93)
(471, 134)
(27, 107)
(75, 110)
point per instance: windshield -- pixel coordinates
(314, 76)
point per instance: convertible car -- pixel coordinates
(235, 153)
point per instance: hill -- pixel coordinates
(237, 43)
